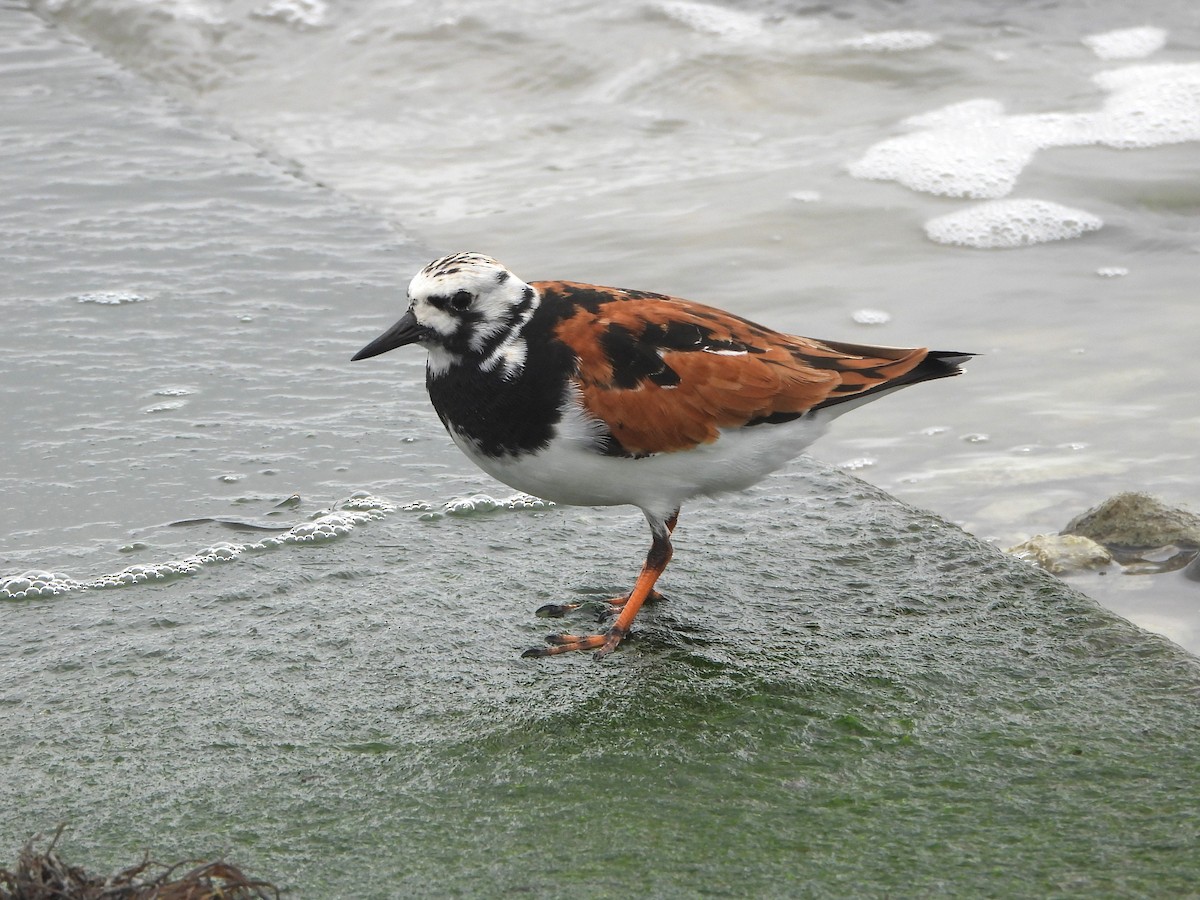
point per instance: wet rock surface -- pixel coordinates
(1137, 521)
(1141, 533)
(1060, 554)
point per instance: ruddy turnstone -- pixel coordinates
(598, 396)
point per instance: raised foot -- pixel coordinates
(603, 644)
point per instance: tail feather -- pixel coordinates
(936, 364)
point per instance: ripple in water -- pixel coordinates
(339, 522)
(359, 509)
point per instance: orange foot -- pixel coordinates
(603, 644)
(643, 589)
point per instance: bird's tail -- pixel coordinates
(936, 364)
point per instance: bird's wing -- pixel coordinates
(666, 374)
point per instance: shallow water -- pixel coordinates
(291, 648)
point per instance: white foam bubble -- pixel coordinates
(1149, 105)
(871, 317)
(36, 583)
(1112, 271)
(974, 150)
(480, 503)
(1127, 43)
(1011, 223)
(109, 298)
(966, 150)
(165, 406)
(296, 13)
(861, 462)
(719, 21)
(891, 41)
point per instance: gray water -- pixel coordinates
(280, 615)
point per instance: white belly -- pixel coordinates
(571, 471)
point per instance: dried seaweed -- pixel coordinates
(43, 875)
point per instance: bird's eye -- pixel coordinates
(461, 300)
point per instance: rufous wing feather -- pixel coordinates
(666, 374)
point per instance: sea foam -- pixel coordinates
(975, 150)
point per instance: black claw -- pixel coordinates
(533, 652)
(554, 610)
(609, 648)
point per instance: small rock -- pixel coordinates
(1136, 520)
(1062, 554)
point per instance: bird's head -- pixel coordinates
(461, 306)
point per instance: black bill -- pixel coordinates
(407, 331)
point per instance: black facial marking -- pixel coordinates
(507, 413)
(502, 276)
(458, 343)
(453, 264)
(518, 312)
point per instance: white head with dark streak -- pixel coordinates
(464, 306)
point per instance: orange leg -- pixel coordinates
(604, 644)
